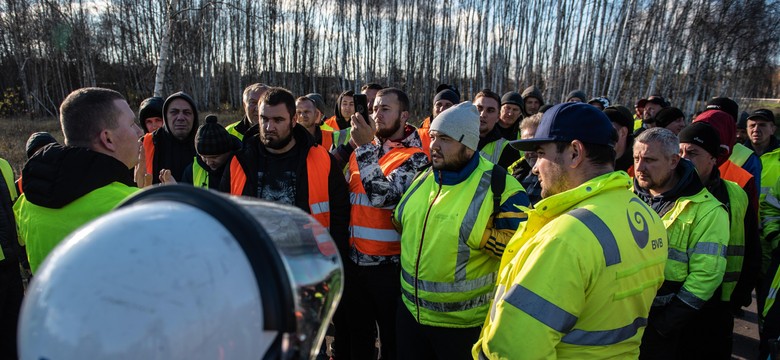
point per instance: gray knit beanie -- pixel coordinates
(460, 122)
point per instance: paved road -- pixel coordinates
(746, 334)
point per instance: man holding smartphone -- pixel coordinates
(384, 156)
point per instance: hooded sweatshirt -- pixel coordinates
(64, 188)
(534, 92)
(169, 152)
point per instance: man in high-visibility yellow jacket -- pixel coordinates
(250, 98)
(578, 279)
(455, 220)
(701, 145)
(698, 228)
(67, 186)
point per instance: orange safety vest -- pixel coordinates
(327, 139)
(371, 228)
(332, 122)
(425, 138)
(149, 153)
(318, 169)
(733, 172)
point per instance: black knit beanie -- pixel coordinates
(213, 139)
(513, 98)
(621, 116)
(668, 115)
(447, 94)
(37, 141)
(702, 134)
(577, 94)
(726, 105)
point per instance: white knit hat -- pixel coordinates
(460, 122)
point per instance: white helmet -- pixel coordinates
(179, 272)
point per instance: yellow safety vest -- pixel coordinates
(446, 279)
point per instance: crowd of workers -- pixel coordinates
(503, 227)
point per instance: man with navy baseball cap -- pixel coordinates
(588, 220)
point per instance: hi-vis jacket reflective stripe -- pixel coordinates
(341, 137)
(8, 175)
(200, 177)
(735, 253)
(333, 138)
(371, 228)
(47, 227)
(578, 280)
(492, 151)
(772, 296)
(318, 170)
(698, 230)
(446, 278)
(149, 153)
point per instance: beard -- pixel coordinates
(278, 143)
(386, 133)
(454, 163)
(554, 180)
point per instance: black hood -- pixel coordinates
(195, 122)
(533, 91)
(687, 185)
(343, 122)
(58, 175)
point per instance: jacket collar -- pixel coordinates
(559, 203)
(447, 177)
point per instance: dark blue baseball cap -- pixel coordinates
(571, 121)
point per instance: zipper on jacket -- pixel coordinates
(419, 251)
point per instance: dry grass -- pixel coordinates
(15, 131)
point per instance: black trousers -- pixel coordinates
(706, 335)
(11, 294)
(709, 335)
(371, 295)
(416, 341)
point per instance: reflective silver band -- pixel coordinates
(602, 232)
(540, 309)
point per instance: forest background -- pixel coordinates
(685, 50)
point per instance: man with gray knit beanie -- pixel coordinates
(450, 210)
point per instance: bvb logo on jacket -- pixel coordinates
(641, 213)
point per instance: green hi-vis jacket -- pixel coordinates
(46, 227)
(735, 253)
(698, 229)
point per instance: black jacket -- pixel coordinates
(253, 153)
(57, 175)
(508, 156)
(169, 152)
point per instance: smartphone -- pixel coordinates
(361, 105)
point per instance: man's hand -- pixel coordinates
(142, 179)
(166, 177)
(362, 132)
